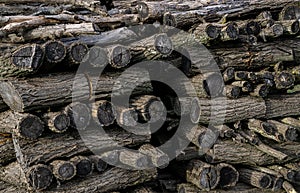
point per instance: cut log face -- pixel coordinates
(99, 164)
(39, 177)
(103, 113)
(55, 51)
(119, 56)
(229, 176)
(77, 52)
(254, 178)
(79, 115)
(57, 122)
(84, 166)
(63, 170)
(290, 12)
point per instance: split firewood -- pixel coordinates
(63, 170)
(35, 178)
(23, 125)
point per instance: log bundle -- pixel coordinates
(66, 66)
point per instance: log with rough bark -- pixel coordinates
(8, 153)
(255, 178)
(84, 166)
(79, 115)
(134, 160)
(103, 113)
(290, 12)
(107, 181)
(288, 174)
(204, 33)
(57, 122)
(23, 125)
(291, 121)
(59, 89)
(63, 170)
(89, 4)
(22, 60)
(158, 158)
(242, 153)
(58, 146)
(261, 90)
(35, 178)
(99, 164)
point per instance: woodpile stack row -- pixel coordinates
(42, 115)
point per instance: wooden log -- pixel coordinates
(288, 174)
(57, 122)
(143, 189)
(61, 91)
(149, 108)
(291, 27)
(288, 105)
(191, 152)
(22, 61)
(8, 188)
(273, 31)
(251, 27)
(288, 187)
(205, 33)
(118, 56)
(134, 160)
(229, 32)
(155, 47)
(38, 177)
(246, 154)
(196, 135)
(8, 154)
(289, 12)
(291, 121)
(103, 113)
(245, 86)
(288, 132)
(254, 178)
(158, 158)
(126, 117)
(284, 80)
(196, 172)
(229, 176)
(84, 166)
(99, 164)
(90, 5)
(232, 91)
(76, 53)
(261, 90)
(79, 115)
(228, 75)
(23, 125)
(111, 157)
(65, 146)
(63, 170)
(108, 181)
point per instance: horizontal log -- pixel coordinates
(23, 125)
(8, 153)
(67, 145)
(107, 181)
(255, 178)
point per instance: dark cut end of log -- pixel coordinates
(103, 113)
(277, 30)
(213, 180)
(119, 56)
(245, 86)
(79, 115)
(134, 159)
(31, 127)
(284, 80)
(28, 57)
(97, 57)
(233, 92)
(228, 74)
(270, 129)
(214, 85)
(63, 170)
(253, 28)
(127, 117)
(143, 10)
(261, 90)
(99, 164)
(163, 44)
(295, 27)
(255, 178)
(77, 52)
(55, 51)
(213, 32)
(39, 177)
(61, 123)
(290, 12)
(84, 166)
(291, 134)
(277, 184)
(231, 32)
(159, 158)
(229, 176)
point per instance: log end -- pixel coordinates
(11, 97)
(79, 115)
(120, 57)
(213, 32)
(195, 111)
(214, 85)
(55, 51)
(229, 176)
(40, 177)
(66, 171)
(163, 44)
(31, 127)
(253, 28)
(265, 181)
(77, 52)
(105, 113)
(61, 123)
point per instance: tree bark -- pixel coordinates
(158, 158)
(107, 181)
(8, 153)
(254, 178)
(23, 125)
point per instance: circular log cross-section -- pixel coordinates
(99, 164)
(63, 170)
(103, 113)
(229, 176)
(28, 57)
(97, 57)
(253, 28)
(55, 51)
(119, 56)
(31, 127)
(290, 12)
(230, 32)
(284, 80)
(213, 32)
(79, 115)
(39, 177)
(57, 122)
(163, 44)
(84, 166)
(77, 52)
(213, 85)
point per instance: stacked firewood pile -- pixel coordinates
(254, 44)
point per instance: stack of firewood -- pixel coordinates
(42, 115)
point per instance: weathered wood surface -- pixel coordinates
(7, 150)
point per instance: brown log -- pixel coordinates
(23, 60)
(66, 146)
(126, 117)
(38, 177)
(57, 122)
(76, 54)
(288, 174)
(291, 27)
(8, 188)
(273, 31)
(118, 56)
(255, 178)
(63, 170)
(191, 152)
(288, 187)
(79, 115)
(103, 113)
(291, 121)
(107, 181)
(230, 32)
(205, 33)
(158, 158)
(84, 166)
(241, 153)
(23, 125)
(251, 27)
(288, 132)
